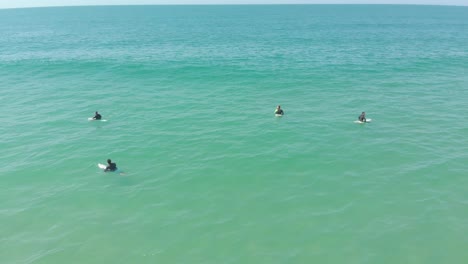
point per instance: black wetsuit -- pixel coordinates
(97, 117)
(362, 118)
(111, 167)
(279, 112)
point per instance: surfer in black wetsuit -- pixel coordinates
(97, 116)
(279, 111)
(362, 117)
(111, 167)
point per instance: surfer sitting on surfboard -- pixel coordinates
(362, 117)
(279, 111)
(111, 167)
(97, 116)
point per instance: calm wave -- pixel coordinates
(210, 175)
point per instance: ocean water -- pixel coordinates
(210, 175)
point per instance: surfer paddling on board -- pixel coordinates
(111, 167)
(362, 117)
(279, 111)
(97, 116)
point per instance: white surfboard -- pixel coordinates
(368, 120)
(92, 119)
(278, 115)
(103, 167)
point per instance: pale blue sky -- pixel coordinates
(34, 3)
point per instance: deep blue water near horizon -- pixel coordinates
(210, 175)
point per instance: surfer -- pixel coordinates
(362, 117)
(111, 167)
(279, 111)
(97, 116)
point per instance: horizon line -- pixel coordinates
(253, 4)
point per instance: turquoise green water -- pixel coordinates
(211, 176)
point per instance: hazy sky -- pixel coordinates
(31, 3)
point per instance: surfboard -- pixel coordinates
(368, 120)
(92, 119)
(278, 115)
(103, 167)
